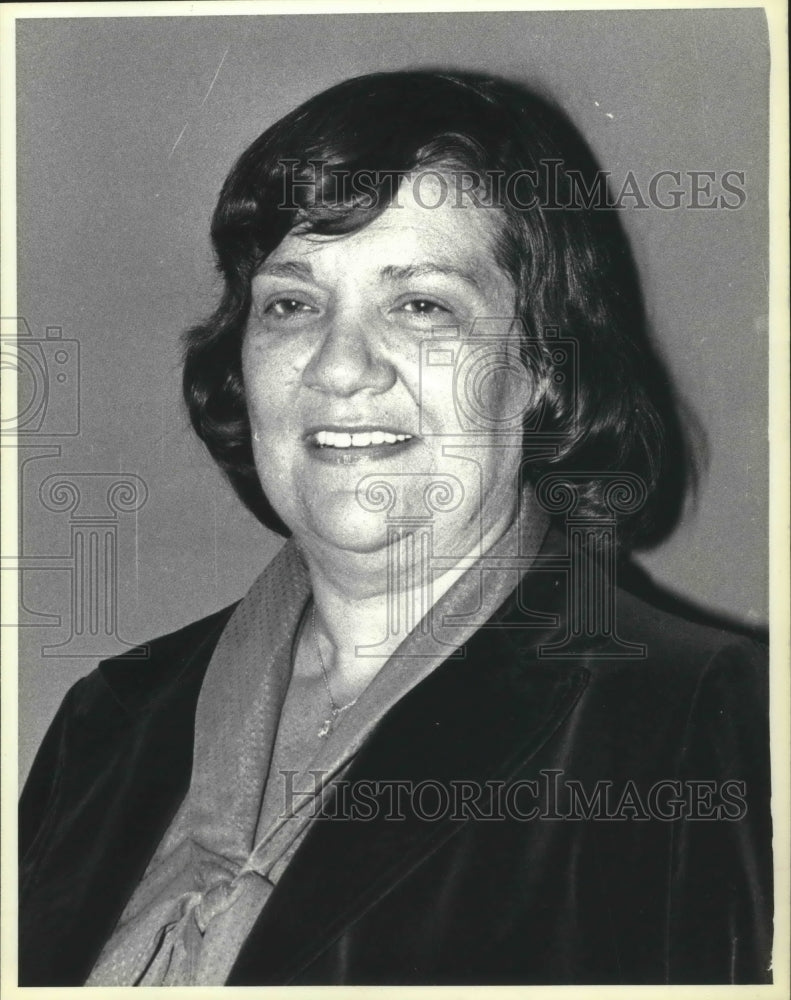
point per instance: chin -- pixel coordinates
(353, 536)
(340, 523)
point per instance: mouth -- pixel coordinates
(351, 444)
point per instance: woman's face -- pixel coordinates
(345, 389)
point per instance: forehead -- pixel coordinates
(430, 220)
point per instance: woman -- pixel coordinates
(434, 743)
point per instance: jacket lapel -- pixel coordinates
(476, 719)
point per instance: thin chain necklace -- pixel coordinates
(334, 707)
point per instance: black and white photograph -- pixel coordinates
(395, 487)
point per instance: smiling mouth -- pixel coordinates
(341, 440)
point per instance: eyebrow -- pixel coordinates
(391, 272)
(287, 269)
(407, 271)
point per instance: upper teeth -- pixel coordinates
(338, 439)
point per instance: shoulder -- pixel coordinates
(156, 680)
(659, 683)
(694, 692)
(678, 639)
(705, 660)
(677, 666)
(152, 685)
(141, 674)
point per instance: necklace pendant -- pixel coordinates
(335, 709)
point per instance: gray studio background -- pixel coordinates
(122, 149)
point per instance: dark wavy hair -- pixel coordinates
(571, 264)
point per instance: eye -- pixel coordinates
(287, 308)
(423, 307)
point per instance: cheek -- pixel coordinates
(487, 393)
(269, 379)
(437, 401)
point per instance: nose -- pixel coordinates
(347, 360)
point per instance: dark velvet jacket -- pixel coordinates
(603, 885)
